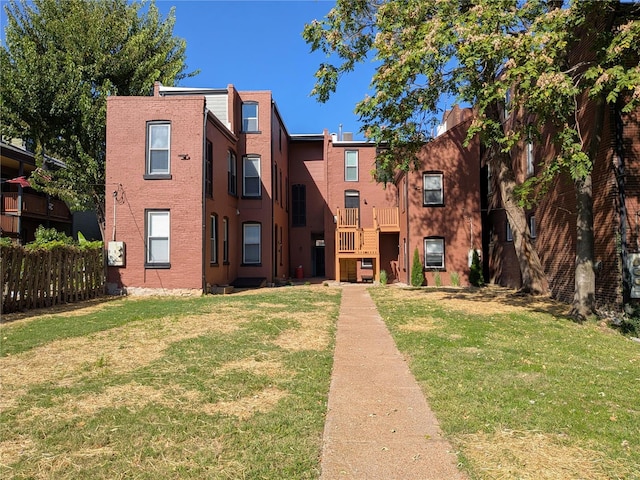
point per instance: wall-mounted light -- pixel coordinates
(184, 156)
(237, 212)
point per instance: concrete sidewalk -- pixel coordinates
(378, 424)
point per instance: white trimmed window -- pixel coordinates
(251, 185)
(158, 237)
(432, 189)
(250, 117)
(530, 159)
(351, 166)
(158, 148)
(251, 243)
(434, 253)
(367, 263)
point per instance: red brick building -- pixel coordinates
(208, 188)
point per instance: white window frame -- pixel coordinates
(426, 176)
(530, 158)
(367, 263)
(250, 120)
(351, 166)
(254, 159)
(156, 231)
(214, 239)
(245, 237)
(151, 148)
(429, 252)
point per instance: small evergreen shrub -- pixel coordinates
(475, 275)
(383, 277)
(417, 275)
(455, 279)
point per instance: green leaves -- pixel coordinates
(60, 62)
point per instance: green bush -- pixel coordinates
(383, 277)
(50, 235)
(475, 275)
(437, 280)
(417, 275)
(455, 279)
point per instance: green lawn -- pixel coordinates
(522, 392)
(219, 387)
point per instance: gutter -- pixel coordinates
(204, 199)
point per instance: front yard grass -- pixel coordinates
(216, 387)
(522, 392)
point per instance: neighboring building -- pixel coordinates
(208, 188)
(440, 204)
(24, 209)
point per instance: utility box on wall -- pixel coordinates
(115, 254)
(633, 264)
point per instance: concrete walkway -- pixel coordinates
(378, 425)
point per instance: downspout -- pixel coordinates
(203, 192)
(619, 169)
(406, 244)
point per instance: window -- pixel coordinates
(275, 181)
(208, 174)
(432, 190)
(157, 236)
(434, 253)
(251, 243)
(351, 199)
(158, 147)
(532, 226)
(250, 117)
(225, 240)
(232, 179)
(509, 235)
(367, 263)
(214, 239)
(351, 166)
(530, 159)
(251, 176)
(299, 205)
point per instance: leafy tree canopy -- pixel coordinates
(478, 53)
(60, 61)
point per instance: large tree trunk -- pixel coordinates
(534, 280)
(585, 278)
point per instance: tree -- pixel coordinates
(417, 273)
(510, 59)
(60, 61)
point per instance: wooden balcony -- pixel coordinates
(9, 225)
(36, 206)
(384, 219)
(358, 243)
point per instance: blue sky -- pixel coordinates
(258, 45)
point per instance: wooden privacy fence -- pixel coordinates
(45, 277)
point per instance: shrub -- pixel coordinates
(455, 279)
(383, 277)
(436, 279)
(475, 275)
(50, 235)
(417, 275)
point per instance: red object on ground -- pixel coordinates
(299, 272)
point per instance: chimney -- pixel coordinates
(348, 136)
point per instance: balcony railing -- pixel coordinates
(362, 242)
(35, 206)
(9, 224)
(385, 219)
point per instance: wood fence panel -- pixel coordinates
(44, 277)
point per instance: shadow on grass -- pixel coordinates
(6, 318)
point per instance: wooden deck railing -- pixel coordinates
(35, 205)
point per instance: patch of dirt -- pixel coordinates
(488, 300)
(245, 407)
(527, 455)
(312, 334)
(119, 350)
